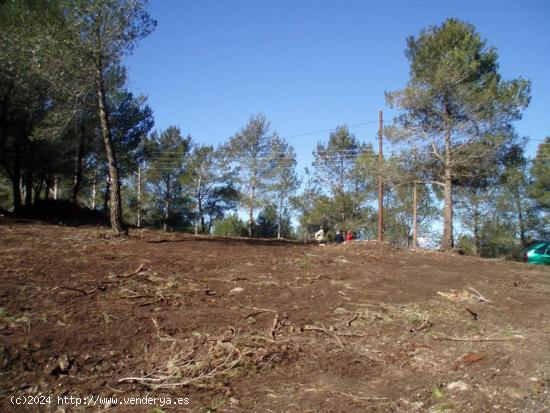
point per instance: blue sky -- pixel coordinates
(313, 65)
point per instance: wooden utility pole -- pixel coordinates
(380, 183)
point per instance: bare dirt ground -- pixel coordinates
(238, 325)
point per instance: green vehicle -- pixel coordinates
(538, 253)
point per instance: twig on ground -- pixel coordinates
(479, 296)
(516, 337)
(309, 327)
(64, 287)
(258, 311)
(133, 297)
(515, 301)
(355, 316)
(473, 314)
(276, 325)
(165, 337)
(360, 398)
(151, 302)
(427, 323)
(133, 272)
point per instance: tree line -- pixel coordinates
(71, 130)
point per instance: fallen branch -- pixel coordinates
(276, 325)
(258, 311)
(355, 316)
(64, 287)
(151, 302)
(473, 314)
(146, 379)
(309, 327)
(132, 273)
(133, 297)
(516, 337)
(479, 296)
(360, 398)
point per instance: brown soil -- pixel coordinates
(239, 325)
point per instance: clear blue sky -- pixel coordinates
(311, 65)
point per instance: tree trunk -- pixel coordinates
(448, 242)
(521, 221)
(94, 188)
(279, 219)
(199, 205)
(48, 183)
(16, 190)
(139, 197)
(166, 215)
(203, 223)
(38, 190)
(477, 243)
(115, 203)
(250, 221)
(107, 196)
(415, 217)
(28, 188)
(16, 179)
(251, 213)
(55, 187)
(79, 158)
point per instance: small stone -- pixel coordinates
(458, 386)
(236, 290)
(513, 393)
(233, 401)
(63, 363)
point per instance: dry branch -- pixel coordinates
(64, 287)
(324, 330)
(360, 398)
(479, 296)
(276, 325)
(355, 316)
(132, 273)
(516, 337)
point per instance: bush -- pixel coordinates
(232, 226)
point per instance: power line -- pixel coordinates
(330, 130)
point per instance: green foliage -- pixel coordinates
(341, 183)
(231, 226)
(166, 156)
(284, 186)
(257, 155)
(398, 214)
(540, 190)
(498, 239)
(266, 224)
(209, 182)
(467, 244)
(268, 221)
(456, 104)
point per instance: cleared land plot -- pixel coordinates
(242, 325)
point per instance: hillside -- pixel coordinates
(242, 325)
